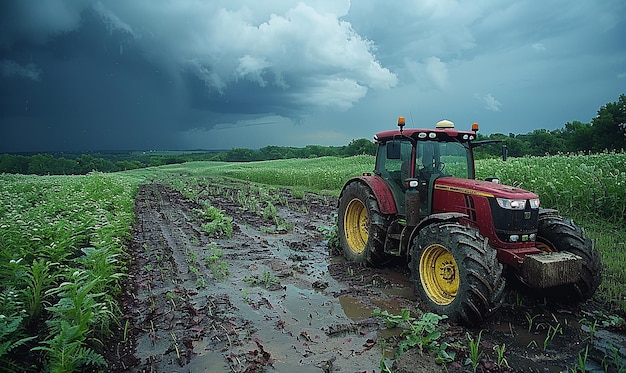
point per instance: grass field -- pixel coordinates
(63, 238)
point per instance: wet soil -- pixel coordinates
(273, 297)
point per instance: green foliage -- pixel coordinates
(606, 132)
(38, 282)
(360, 147)
(572, 183)
(267, 280)
(67, 351)
(501, 360)
(475, 352)
(218, 266)
(421, 333)
(332, 235)
(270, 211)
(60, 241)
(609, 126)
(12, 334)
(217, 223)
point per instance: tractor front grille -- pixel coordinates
(514, 223)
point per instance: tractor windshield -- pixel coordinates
(444, 159)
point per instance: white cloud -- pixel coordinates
(112, 21)
(334, 93)
(251, 67)
(539, 46)
(437, 71)
(302, 50)
(431, 72)
(489, 101)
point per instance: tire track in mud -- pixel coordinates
(276, 310)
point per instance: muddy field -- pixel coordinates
(273, 297)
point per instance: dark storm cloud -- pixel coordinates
(120, 74)
(134, 74)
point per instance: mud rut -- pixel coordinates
(288, 303)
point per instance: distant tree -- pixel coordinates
(41, 164)
(578, 136)
(240, 155)
(14, 164)
(517, 147)
(609, 127)
(542, 142)
(86, 163)
(360, 146)
(271, 152)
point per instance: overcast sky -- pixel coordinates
(187, 74)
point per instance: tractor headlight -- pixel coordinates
(534, 203)
(511, 204)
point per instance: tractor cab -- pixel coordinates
(421, 156)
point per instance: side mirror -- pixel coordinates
(393, 150)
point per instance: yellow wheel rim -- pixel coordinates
(439, 274)
(356, 225)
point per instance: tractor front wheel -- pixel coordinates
(456, 272)
(362, 227)
(558, 234)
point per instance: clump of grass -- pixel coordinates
(267, 280)
(475, 352)
(270, 211)
(501, 361)
(217, 224)
(216, 263)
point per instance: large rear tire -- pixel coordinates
(456, 272)
(558, 234)
(362, 227)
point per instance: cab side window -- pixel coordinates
(394, 161)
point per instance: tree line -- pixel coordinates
(606, 131)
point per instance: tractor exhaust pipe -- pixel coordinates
(412, 198)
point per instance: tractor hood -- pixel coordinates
(482, 188)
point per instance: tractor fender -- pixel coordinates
(379, 187)
(430, 219)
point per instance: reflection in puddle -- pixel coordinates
(354, 309)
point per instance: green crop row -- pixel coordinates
(62, 240)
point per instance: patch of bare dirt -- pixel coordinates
(287, 303)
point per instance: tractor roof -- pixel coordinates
(424, 134)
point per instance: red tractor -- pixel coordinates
(461, 236)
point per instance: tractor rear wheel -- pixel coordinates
(362, 227)
(558, 234)
(456, 272)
